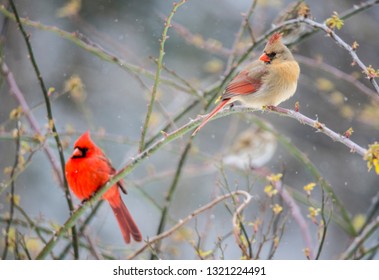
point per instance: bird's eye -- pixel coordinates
(271, 55)
(79, 152)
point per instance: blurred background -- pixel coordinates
(106, 98)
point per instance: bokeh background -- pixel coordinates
(112, 103)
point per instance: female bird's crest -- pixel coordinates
(275, 38)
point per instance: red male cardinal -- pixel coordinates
(87, 170)
(265, 82)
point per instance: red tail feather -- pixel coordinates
(124, 219)
(211, 114)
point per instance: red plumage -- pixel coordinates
(87, 170)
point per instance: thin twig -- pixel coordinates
(372, 210)
(339, 74)
(26, 163)
(210, 45)
(195, 214)
(50, 119)
(298, 217)
(82, 228)
(193, 91)
(170, 123)
(354, 147)
(31, 223)
(325, 224)
(170, 194)
(244, 24)
(360, 239)
(16, 92)
(369, 253)
(167, 25)
(342, 44)
(83, 42)
(237, 221)
(285, 195)
(246, 252)
(346, 223)
(12, 201)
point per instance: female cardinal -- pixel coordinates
(265, 82)
(87, 170)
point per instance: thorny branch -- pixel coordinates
(51, 121)
(158, 73)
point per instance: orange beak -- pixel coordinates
(264, 57)
(77, 153)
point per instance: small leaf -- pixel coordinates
(371, 72)
(51, 91)
(204, 254)
(349, 132)
(334, 21)
(313, 213)
(270, 191)
(277, 209)
(309, 188)
(274, 177)
(372, 157)
(16, 113)
(16, 199)
(355, 46)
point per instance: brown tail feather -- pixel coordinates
(210, 115)
(125, 220)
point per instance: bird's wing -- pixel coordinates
(107, 168)
(246, 82)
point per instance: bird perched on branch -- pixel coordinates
(267, 81)
(87, 170)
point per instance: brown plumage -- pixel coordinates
(267, 81)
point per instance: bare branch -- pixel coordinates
(339, 74)
(51, 121)
(359, 240)
(342, 44)
(354, 147)
(15, 90)
(195, 214)
(158, 73)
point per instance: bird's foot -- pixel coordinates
(88, 198)
(269, 107)
(84, 201)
